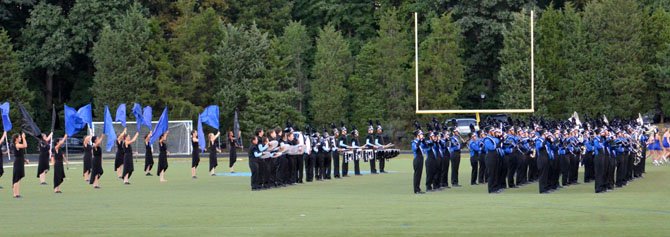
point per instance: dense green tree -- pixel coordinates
(45, 42)
(514, 75)
(393, 71)
(354, 18)
(14, 88)
(270, 96)
(656, 44)
(295, 45)
(614, 30)
(272, 16)
(196, 40)
(242, 56)
(88, 17)
(332, 67)
(482, 24)
(122, 63)
(441, 69)
(367, 96)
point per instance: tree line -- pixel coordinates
(327, 61)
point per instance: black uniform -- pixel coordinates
(148, 157)
(118, 159)
(96, 164)
(357, 167)
(19, 162)
(232, 152)
(213, 161)
(43, 163)
(59, 171)
(371, 139)
(310, 160)
(345, 163)
(334, 151)
(382, 160)
(162, 158)
(418, 164)
(195, 155)
(128, 166)
(431, 166)
(455, 157)
(542, 154)
(88, 155)
(254, 166)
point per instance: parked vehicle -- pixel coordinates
(463, 125)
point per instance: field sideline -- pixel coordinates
(369, 205)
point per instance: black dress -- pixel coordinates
(43, 163)
(2, 160)
(118, 159)
(88, 154)
(19, 162)
(128, 166)
(195, 156)
(213, 162)
(96, 164)
(162, 158)
(148, 157)
(232, 152)
(59, 172)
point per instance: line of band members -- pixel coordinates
(521, 156)
(285, 157)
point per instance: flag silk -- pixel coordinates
(4, 113)
(161, 127)
(121, 114)
(53, 118)
(146, 117)
(86, 115)
(137, 112)
(73, 123)
(108, 130)
(236, 129)
(201, 136)
(211, 116)
(29, 127)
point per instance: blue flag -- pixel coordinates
(121, 114)
(109, 130)
(137, 112)
(211, 116)
(201, 136)
(4, 113)
(146, 117)
(161, 127)
(86, 115)
(73, 123)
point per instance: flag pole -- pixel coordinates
(9, 154)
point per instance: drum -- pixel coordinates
(369, 154)
(348, 156)
(359, 154)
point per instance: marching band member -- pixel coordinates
(342, 144)
(57, 160)
(419, 148)
(455, 155)
(473, 146)
(369, 145)
(356, 145)
(335, 154)
(379, 140)
(43, 162)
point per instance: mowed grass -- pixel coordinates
(369, 205)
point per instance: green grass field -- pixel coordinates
(369, 205)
